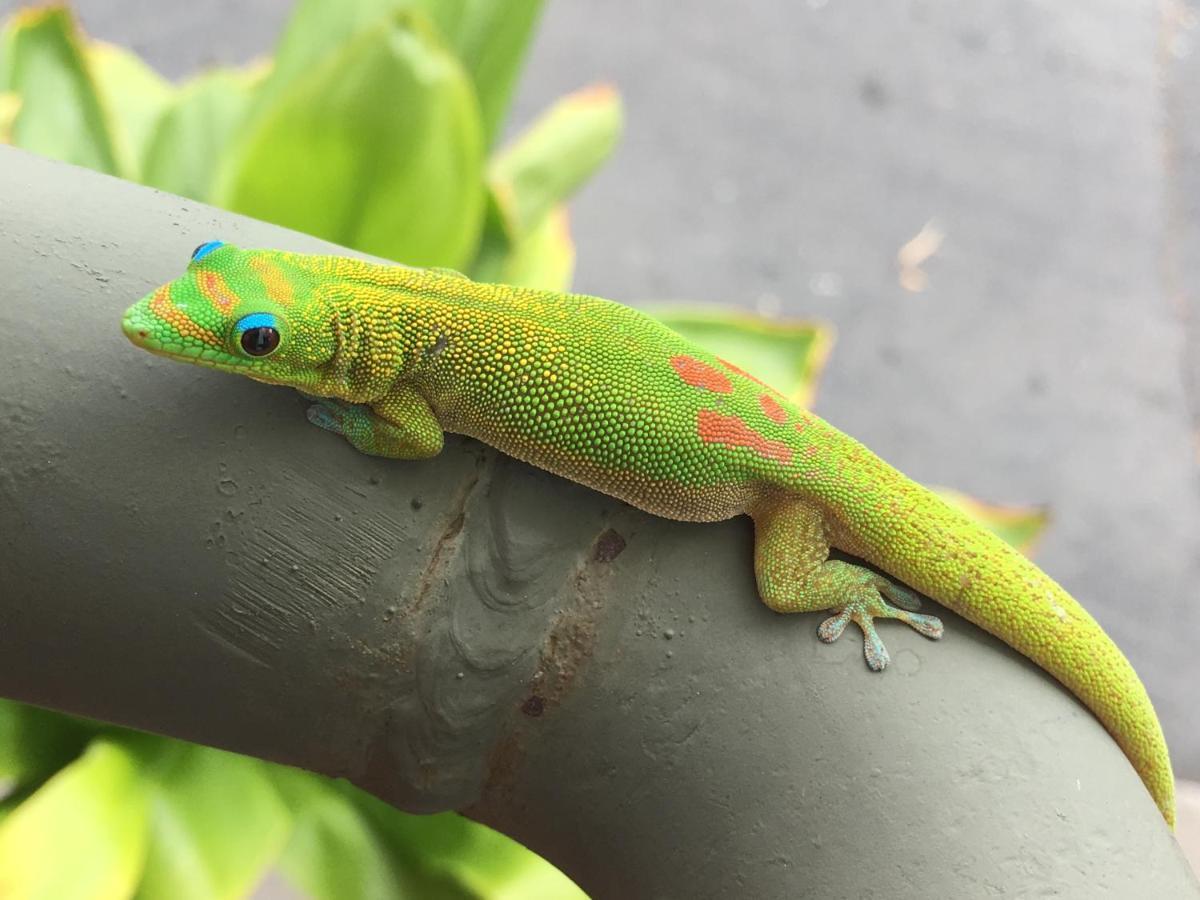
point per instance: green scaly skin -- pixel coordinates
(604, 395)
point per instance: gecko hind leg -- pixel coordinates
(795, 574)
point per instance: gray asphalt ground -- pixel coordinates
(779, 154)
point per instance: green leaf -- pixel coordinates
(554, 156)
(217, 821)
(135, 93)
(787, 355)
(349, 844)
(316, 30)
(193, 133)
(334, 851)
(462, 857)
(1020, 526)
(35, 743)
(61, 114)
(378, 149)
(545, 259)
(490, 37)
(81, 835)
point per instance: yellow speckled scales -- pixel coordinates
(604, 395)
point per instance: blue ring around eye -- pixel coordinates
(204, 249)
(257, 320)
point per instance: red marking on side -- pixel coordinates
(772, 409)
(730, 431)
(700, 374)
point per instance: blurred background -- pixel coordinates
(995, 208)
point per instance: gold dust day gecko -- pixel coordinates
(604, 395)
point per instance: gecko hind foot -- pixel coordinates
(870, 606)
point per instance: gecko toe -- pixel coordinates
(930, 626)
(876, 654)
(899, 594)
(831, 629)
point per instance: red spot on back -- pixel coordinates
(772, 409)
(700, 374)
(730, 431)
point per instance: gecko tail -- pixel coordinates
(1032, 613)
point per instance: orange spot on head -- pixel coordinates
(730, 431)
(700, 374)
(217, 292)
(278, 287)
(163, 307)
(772, 409)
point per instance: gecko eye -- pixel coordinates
(206, 248)
(258, 334)
(260, 341)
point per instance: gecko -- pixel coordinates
(393, 357)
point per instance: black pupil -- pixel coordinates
(260, 341)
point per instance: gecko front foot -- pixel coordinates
(868, 606)
(398, 426)
(340, 417)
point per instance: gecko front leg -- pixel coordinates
(795, 574)
(400, 426)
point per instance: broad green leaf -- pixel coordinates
(61, 114)
(334, 852)
(34, 742)
(495, 244)
(135, 94)
(490, 37)
(192, 135)
(217, 822)
(554, 156)
(787, 355)
(1020, 526)
(545, 258)
(81, 835)
(466, 859)
(378, 149)
(315, 31)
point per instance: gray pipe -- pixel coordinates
(181, 552)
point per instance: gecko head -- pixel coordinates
(254, 312)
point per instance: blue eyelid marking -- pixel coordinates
(257, 320)
(204, 249)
